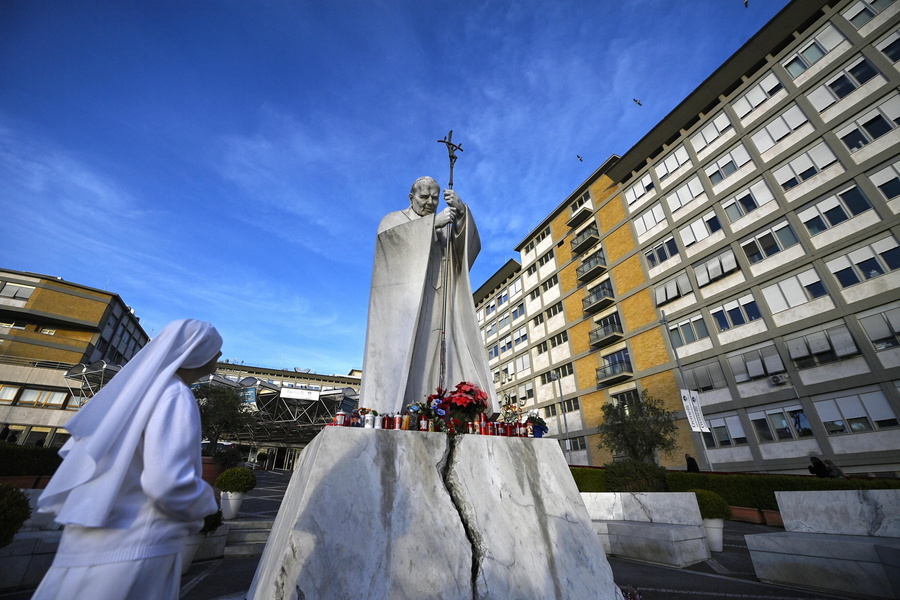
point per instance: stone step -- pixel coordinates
(247, 535)
(247, 538)
(239, 550)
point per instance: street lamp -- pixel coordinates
(555, 377)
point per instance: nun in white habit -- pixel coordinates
(129, 489)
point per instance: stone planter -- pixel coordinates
(191, 545)
(231, 504)
(212, 468)
(213, 545)
(773, 518)
(747, 515)
(714, 529)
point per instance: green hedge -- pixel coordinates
(589, 479)
(18, 461)
(739, 489)
(758, 491)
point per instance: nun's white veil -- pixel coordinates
(107, 430)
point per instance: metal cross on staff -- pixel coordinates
(451, 149)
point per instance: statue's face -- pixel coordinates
(424, 199)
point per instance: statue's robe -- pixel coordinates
(403, 338)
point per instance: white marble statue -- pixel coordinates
(420, 287)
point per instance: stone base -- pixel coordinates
(659, 543)
(855, 565)
(394, 515)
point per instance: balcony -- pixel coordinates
(614, 373)
(580, 215)
(598, 299)
(592, 266)
(604, 336)
(585, 239)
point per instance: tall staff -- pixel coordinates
(447, 263)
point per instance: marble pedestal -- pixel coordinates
(839, 541)
(394, 515)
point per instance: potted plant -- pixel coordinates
(14, 511)
(234, 484)
(262, 460)
(210, 524)
(538, 425)
(222, 412)
(714, 510)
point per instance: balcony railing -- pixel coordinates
(598, 299)
(614, 373)
(603, 336)
(586, 239)
(592, 266)
(580, 215)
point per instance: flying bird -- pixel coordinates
(580, 159)
(636, 101)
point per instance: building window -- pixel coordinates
(865, 10)
(672, 162)
(769, 243)
(725, 432)
(527, 391)
(491, 329)
(562, 371)
(890, 46)
(688, 331)
(745, 202)
(779, 128)
(834, 210)
(711, 131)
(13, 325)
(701, 229)
(515, 287)
(15, 291)
(532, 269)
(520, 336)
(872, 125)
(535, 294)
(582, 200)
(661, 252)
(554, 310)
(794, 291)
(736, 313)
(518, 312)
(506, 345)
(843, 84)
(627, 398)
(728, 164)
(550, 411)
(542, 347)
(779, 424)
(490, 308)
(883, 329)
(635, 192)
(42, 398)
(802, 167)
(570, 405)
(866, 263)
(857, 413)
(504, 320)
(537, 240)
(650, 219)
(560, 338)
(543, 260)
(493, 352)
(821, 347)
(716, 267)
(673, 289)
(7, 393)
(502, 299)
(685, 194)
(757, 95)
(552, 281)
(756, 364)
(709, 376)
(577, 443)
(538, 320)
(823, 43)
(887, 180)
(523, 362)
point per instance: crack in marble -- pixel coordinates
(452, 486)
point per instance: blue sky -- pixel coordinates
(230, 161)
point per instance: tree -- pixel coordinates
(638, 428)
(222, 412)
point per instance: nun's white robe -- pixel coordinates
(161, 500)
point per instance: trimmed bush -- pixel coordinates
(629, 475)
(589, 479)
(238, 479)
(14, 511)
(712, 505)
(18, 461)
(758, 490)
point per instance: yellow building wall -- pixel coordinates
(611, 214)
(579, 335)
(637, 310)
(58, 302)
(664, 387)
(568, 279)
(601, 189)
(648, 350)
(628, 275)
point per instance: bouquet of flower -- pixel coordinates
(510, 413)
(452, 410)
(535, 419)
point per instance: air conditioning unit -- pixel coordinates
(779, 379)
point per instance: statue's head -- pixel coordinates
(423, 196)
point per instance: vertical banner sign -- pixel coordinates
(691, 401)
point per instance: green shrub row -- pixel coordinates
(739, 489)
(18, 461)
